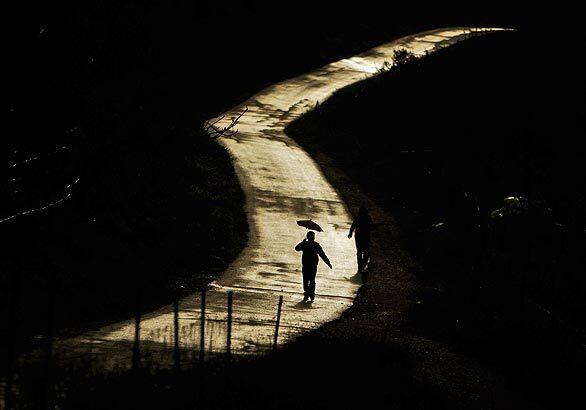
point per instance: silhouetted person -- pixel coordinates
(361, 228)
(311, 250)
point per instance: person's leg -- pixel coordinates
(359, 254)
(363, 250)
(305, 284)
(365, 256)
(311, 284)
(359, 260)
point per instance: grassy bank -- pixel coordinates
(439, 143)
(322, 371)
(154, 218)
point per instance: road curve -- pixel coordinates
(282, 184)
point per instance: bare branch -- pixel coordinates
(227, 131)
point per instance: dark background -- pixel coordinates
(114, 93)
(105, 101)
(105, 98)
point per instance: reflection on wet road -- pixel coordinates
(282, 184)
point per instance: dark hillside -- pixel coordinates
(441, 142)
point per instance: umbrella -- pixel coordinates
(309, 224)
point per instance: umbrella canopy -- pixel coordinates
(309, 224)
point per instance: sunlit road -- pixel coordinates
(282, 184)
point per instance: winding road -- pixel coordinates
(282, 184)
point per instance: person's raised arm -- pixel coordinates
(300, 246)
(323, 256)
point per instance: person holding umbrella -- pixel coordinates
(312, 251)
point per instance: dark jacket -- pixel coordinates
(362, 227)
(311, 250)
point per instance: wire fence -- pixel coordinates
(195, 336)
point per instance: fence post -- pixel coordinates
(51, 300)
(229, 327)
(136, 345)
(202, 325)
(11, 348)
(176, 357)
(279, 307)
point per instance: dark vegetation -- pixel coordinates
(154, 207)
(441, 142)
(317, 373)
